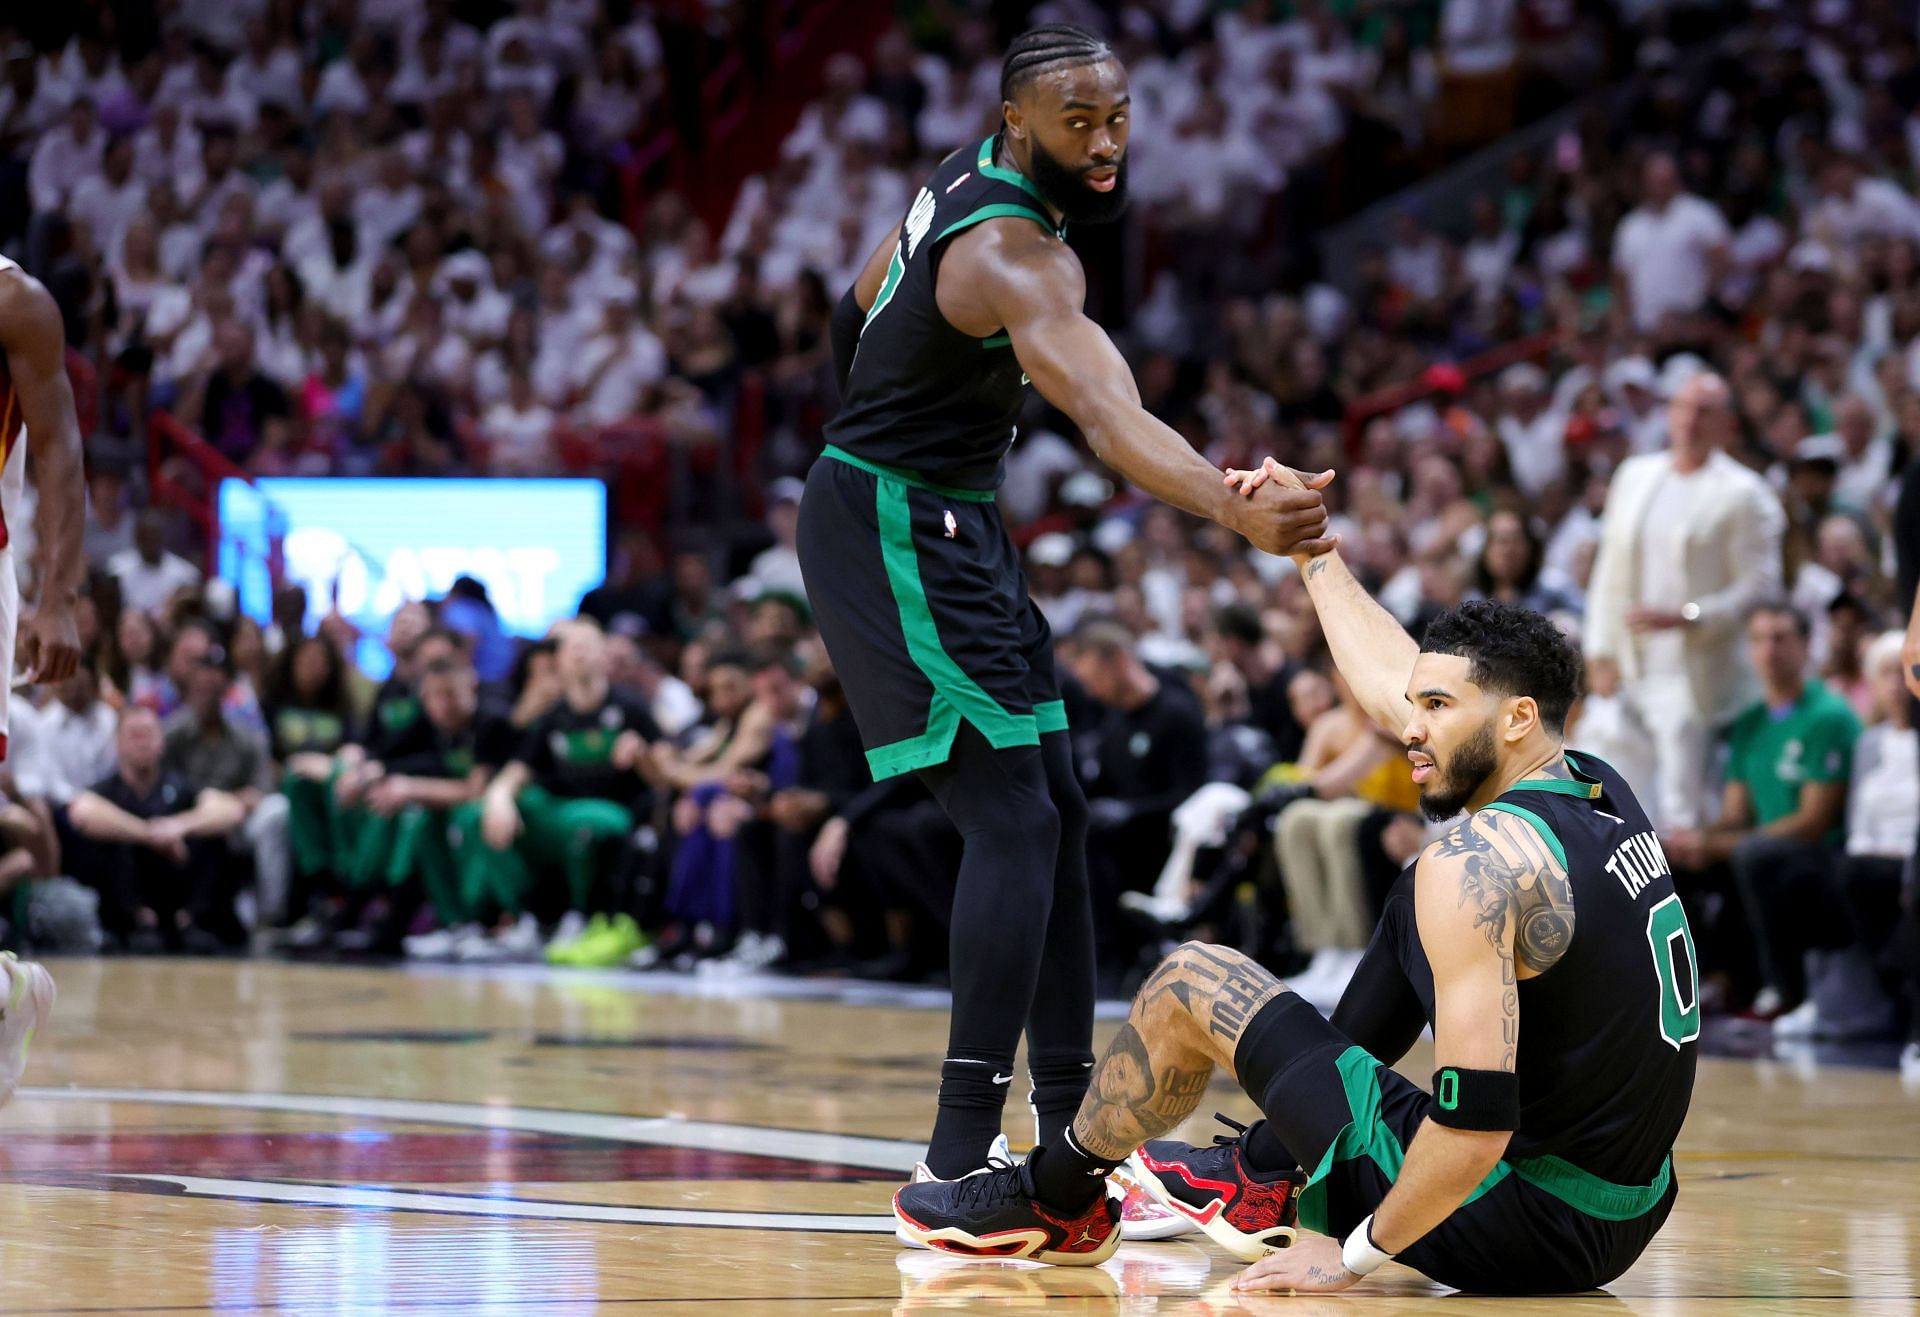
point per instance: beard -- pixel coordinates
(1462, 775)
(1066, 190)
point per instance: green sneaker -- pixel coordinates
(26, 999)
(620, 938)
(563, 953)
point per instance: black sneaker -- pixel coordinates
(994, 1214)
(1246, 1212)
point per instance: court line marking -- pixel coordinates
(895, 1156)
(357, 1198)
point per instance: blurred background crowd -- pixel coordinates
(1613, 310)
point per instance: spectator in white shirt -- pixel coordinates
(390, 203)
(1669, 252)
(220, 174)
(1853, 208)
(336, 278)
(149, 573)
(89, 67)
(167, 151)
(1289, 117)
(519, 431)
(266, 72)
(1633, 385)
(841, 113)
(428, 350)
(207, 96)
(30, 104)
(617, 366)
(1477, 36)
(473, 305)
(65, 155)
(1533, 433)
(1417, 262)
(1488, 257)
(1865, 456)
(106, 202)
(69, 744)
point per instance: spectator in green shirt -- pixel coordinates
(1780, 826)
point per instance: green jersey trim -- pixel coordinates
(1367, 1135)
(998, 210)
(907, 477)
(1051, 716)
(984, 163)
(896, 268)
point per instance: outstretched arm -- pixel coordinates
(1372, 650)
(1033, 285)
(34, 339)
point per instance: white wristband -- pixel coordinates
(1359, 1255)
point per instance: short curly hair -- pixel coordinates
(1514, 651)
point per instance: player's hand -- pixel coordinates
(499, 822)
(1603, 677)
(1280, 509)
(829, 848)
(389, 796)
(1685, 847)
(1311, 1266)
(628, 750)
(50, 649)
(1641, 620)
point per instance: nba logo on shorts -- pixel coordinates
(953, 527)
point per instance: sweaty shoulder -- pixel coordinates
(1504, 870)
(1005, 270)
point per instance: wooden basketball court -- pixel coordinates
(216, 1136)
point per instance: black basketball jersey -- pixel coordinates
(1607, 1036)
(922, 396)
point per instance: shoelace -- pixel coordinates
(1228, 1140)
(1000, 1180)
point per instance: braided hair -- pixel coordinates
(1050, 46)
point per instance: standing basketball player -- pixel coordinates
(36, 408)
(1541, 938)
(918, 590)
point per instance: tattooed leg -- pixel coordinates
(1186, 1018)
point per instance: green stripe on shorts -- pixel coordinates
(1367, 1135)
(952, 687)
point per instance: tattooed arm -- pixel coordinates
(1493, 906)
(1372, 650)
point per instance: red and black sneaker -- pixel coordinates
(1247, 1212)
(995, 1214)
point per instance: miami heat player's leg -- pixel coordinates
(36, 409)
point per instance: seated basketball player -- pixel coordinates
(1540, 1162)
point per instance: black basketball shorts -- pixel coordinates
(1534, 1226)
(920, 599)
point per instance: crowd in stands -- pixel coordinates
(388, 244)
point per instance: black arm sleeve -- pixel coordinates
(845, 333)
(1383, 1009)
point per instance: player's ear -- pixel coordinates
(1523, 715)
(1016, 122)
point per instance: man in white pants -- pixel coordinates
(1690, 540)
(36, 409)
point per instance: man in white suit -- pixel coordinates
(1690, 540)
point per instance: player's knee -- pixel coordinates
(1030, 821)
(1070, 803)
